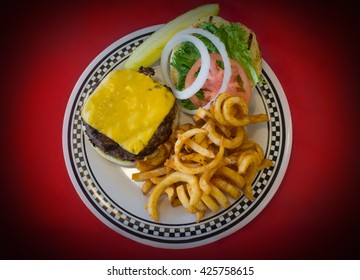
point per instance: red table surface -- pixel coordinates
(312, 48)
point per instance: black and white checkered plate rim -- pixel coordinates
(165, 235)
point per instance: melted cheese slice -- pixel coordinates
(128, 107)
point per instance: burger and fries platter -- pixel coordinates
(216, 172)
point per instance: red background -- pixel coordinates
(311, 47)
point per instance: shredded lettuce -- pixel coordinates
(234, 38)
(182, 60)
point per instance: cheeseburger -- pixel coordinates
(129, 115)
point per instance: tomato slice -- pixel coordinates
(239, 84)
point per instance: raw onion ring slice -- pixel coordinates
(205, 65)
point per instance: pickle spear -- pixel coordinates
(150, 50)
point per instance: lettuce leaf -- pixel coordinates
(182, 60)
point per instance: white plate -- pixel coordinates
(109, 192)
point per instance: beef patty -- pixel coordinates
(112, 148)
